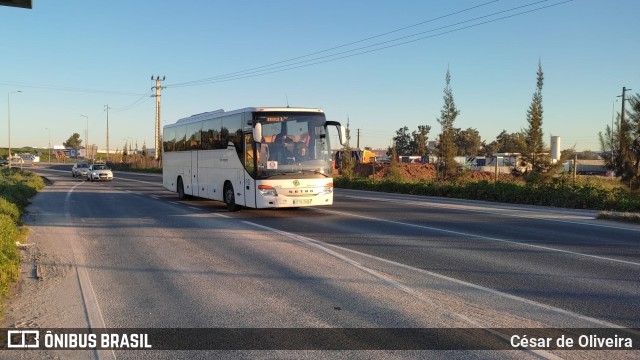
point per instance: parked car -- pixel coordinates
(80, 169)
(4, 162)
(99, 172)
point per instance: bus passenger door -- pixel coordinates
(249, 165)
(194, 173)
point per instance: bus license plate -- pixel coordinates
(302, 201)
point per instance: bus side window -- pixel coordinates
(249, 147)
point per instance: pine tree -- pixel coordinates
(73, 141)
(447, 147)
(347, 164)
(125, 153)
(532, 146)
(467, 141)
(609, 145)
(630, 144)
(419, 142)
(402, 142)
(393, 171)
(634, 121)
(622, 144)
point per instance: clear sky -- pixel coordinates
(71, 58)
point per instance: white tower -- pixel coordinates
(555, 148)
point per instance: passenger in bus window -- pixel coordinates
(282, 138)
(281, 147)
(304, 138)
(302, 152)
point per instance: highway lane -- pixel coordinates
(370, 260)
(558, 257)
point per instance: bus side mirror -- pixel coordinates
(342, 134)
(257, 132)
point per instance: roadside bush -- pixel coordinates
(16, 187)
(9, 258)
(9, 209)
(558, 194)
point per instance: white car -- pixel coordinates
(80, 169)
(99, 172)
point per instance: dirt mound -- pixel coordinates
(417, 172)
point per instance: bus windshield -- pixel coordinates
(293, 145)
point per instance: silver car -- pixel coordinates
(99, 172)
(80, 169)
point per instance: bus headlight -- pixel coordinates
(267, 190)
(328, 189)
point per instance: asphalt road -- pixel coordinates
(143, 259)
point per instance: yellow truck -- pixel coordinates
(363, 156)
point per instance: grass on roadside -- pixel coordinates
(633, 218)
(16, 187)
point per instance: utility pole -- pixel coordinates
(625, 159)
(49, 143)
(624, 90)
(106, 108)
(358, 140)
(87, 149)
(158, 88)
(9, 123)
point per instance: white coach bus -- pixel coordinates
(252, 157)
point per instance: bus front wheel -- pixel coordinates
(230, 198)
(180, 189)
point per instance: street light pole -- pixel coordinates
(9, 122)
(86, 138)
(49, 143)
(106, 108)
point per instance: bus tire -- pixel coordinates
(180, 189)
(230, 197)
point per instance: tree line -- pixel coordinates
(458, 142)
(620, 145)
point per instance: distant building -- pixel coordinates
(587, 167)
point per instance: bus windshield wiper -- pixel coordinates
(315, 172)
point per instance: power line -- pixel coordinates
(141, 100)
(243, 74)
(71, 89)
(335, 47)
(268, 69)
(142, 97)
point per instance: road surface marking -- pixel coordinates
(459, 233)
(92, 308)
(498, 211)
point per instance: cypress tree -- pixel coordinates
(532, 147)
(447, 148)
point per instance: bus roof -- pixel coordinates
(220, 112)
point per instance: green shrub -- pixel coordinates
(584, 195)
(9, 258)
(16, 187)
(9, 209)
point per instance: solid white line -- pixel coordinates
(495, 211)
(459, 233)
(324, 247)
(141, 181)
(92, 308)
